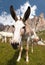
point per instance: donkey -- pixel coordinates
(34, 38)
(20, 31)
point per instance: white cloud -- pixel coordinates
(24, 7)
(6, 19)
(33, 11)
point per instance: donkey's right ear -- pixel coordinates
(27, 13)
(13, 14)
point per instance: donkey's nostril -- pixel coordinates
(15, 45)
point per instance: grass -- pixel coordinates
(41, 34)
(8, 55)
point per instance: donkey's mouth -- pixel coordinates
(15, 45)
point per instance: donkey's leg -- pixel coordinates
(19, 57)
(27, 49)
(32, 48)
(5, 39)
(2, 40)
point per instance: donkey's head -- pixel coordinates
(19, 24)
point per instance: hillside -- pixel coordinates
(8, 55)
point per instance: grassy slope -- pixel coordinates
(8, 55)
(42, 34)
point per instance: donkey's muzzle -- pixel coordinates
(15, 45)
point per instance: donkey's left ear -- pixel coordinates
(27, 13)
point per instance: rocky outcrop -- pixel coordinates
(1, 27)
(38, 22)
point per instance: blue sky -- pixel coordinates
(37, 7)
(5, 4)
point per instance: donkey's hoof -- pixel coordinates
(32, 51)
(27, 61)
(18, 59)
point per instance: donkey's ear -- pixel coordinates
(27, 13)
(13, 14)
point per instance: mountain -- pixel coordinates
(1, 27)
(9, 28)
(38, 22)
(6, 28)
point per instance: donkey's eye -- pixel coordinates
(23, 27)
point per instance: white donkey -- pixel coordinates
(5, 35)
(34, 38)
(20, 30)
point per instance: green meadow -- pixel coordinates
(8, 55)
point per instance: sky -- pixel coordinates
(20, 6)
